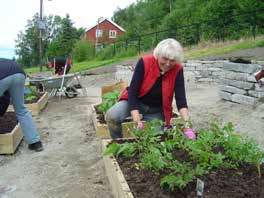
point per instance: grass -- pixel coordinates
(207, 49)
(194, 52)
(82, 66)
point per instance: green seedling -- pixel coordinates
(215, 147)
(108, 100)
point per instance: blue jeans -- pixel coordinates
(15, 86)
(118, 113)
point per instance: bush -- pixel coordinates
(83, 51)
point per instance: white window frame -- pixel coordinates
(99, 33)
(112, 33)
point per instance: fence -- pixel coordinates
(214, 30)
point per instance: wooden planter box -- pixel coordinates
(102, 130)
(116, 178)
(10, 141)
(119, 86)
(35, 108)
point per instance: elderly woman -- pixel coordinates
(156, 78)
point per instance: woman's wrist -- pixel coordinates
(187, 124)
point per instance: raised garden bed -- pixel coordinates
(101, 127)
(135, 176)
(35, 106)
(10, 133)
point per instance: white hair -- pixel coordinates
(169, 48)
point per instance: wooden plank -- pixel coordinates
(36, 107)
(119, 86)
(127, 127)
(116, 178)
(10, 141)
(102, 130)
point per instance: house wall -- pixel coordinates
(105, 26)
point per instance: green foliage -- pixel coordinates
(83, 51)
(215, 147)
(33, 93)
(109, 99)
(58, 39)
(106, 53)
(190, 21)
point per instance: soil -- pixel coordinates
(221, 183)
(8, 122)
(99, 115)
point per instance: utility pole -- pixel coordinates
(40, 35)
(41, 26)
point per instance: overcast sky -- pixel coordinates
(84, 13)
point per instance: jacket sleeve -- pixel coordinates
(4, 103)
(179, 89)
(135, 85)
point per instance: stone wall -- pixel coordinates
(236, 80)
(204, 71)
(239, 83)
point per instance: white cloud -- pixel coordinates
(84, 13)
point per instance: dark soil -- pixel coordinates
(99, 115)
(8, 122)
(221, 183)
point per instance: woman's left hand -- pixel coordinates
(189, 134)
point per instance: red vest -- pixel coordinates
(151, 73)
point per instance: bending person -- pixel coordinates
(12, 82)
(157, 77)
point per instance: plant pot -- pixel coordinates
(36, 107)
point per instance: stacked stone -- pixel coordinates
(239, 84)
(204, 71)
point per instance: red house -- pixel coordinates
(105, 31)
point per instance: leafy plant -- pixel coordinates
(215, 147)
(31, 93)
(109, 99)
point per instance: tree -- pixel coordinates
(58, 39)
(27, 43)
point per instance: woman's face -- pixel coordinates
(165, 64)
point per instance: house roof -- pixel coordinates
(109, 20)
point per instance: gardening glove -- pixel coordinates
(189, 134)
(140, 124)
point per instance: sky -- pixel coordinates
(14, 15)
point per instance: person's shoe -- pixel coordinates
(37, 146)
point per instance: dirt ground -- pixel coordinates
(71, 164)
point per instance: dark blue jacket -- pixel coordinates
(7, 68)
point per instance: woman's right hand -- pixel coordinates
(135, 115)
